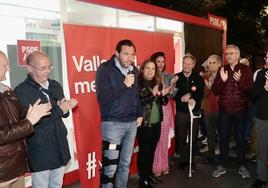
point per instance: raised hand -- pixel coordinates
(237, 75)
(37, 111)
(129, 80)
(165, 90)
(208, 83)
(174, 80)
(67, 105)
(155, 90)
(173, 83)
(223, 74)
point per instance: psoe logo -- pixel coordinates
(26, 47)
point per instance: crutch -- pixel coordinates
(192, 117)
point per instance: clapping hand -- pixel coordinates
(237, 75)
(165, 90)
(209, 82)
(67, 105)
(174, 80)
(173, 83)
(155, 90)
(37, 111)
(223, 74)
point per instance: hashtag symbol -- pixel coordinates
(91, 165)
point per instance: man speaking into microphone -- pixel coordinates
(118, 96)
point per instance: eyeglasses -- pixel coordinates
(44, 68)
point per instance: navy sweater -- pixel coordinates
(117, 102)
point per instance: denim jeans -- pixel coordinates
(48, 178)
(226, 121)
(119, 133)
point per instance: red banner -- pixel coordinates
(86, 48)
(26, 47)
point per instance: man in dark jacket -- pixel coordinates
(189, 89)
(48, 146)
(232, 84)
(260, 94)
(118, 97)
(15, 126)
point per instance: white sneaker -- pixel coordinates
(243, 171)
(203, 150)
(220, 170)
(205, 141)
(217, 151)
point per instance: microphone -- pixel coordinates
(130, 69)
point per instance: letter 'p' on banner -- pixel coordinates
(26, 47)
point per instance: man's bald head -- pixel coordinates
(39, 66)
(2, 54)
(34, 57)
(4, 65)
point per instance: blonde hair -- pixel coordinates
(216, 57)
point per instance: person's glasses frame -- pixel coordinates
(231, 53)
(42, 69)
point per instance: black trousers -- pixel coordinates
(212, 124)
(148, 138)
(227, 120)
(182, 128)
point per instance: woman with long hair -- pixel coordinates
(160, 165)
